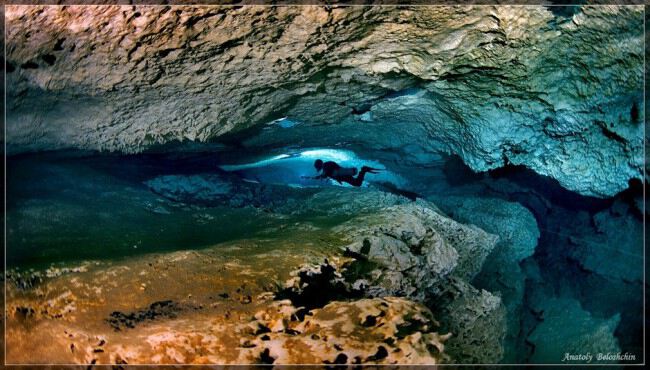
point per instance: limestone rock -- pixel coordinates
(412, 250)
(615, 250)
(476, 319)
(493, 84)
(416, 239)
(501, 274)
(209, 189)
(195, 188)
(338, 202)
(379, 331)
(514, 224)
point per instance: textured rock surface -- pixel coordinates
(513, 223)
(477, 320)
(220, 189)
(380, 330)
(615, 250)
(557, 93)
(280, 333)
(416, 239)
(211, 189)
(404, 250)
(413, 251)
(360, 306)
(501, 274)
(142, 310)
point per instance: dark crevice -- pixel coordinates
(381, 354)
(265, 357)
(611, 134)
(29, 65)
(161, 309)
(49, 59)
(320, 286)
(634, 113)
(565, 10)
(59, 44)
(163, 53)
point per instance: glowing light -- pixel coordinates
(296, 168)
(329, 154)
(283, 122)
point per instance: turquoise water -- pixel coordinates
(69, 206)
(67, 209)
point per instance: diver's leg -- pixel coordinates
(357, 181)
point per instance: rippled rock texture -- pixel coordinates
(558, 92)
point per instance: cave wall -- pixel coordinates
(560, 93)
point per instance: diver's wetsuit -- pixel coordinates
(343, 174)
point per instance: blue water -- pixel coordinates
(295, 167)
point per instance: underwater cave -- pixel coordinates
(324, 184)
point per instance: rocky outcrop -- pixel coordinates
(404, 250)
(211, 190)
(377, 331)
(416, 239)
(615, 249)
(224, 190)
(501, 273)
(142, 310)
(495, 85)
(413, 251)
(477, 320)
(512, 222)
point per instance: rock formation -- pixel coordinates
(325, 275)
(358, 293)
(518, 234)
(557, 92)
(471, 263)
(413, 251)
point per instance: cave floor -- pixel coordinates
(67, 318)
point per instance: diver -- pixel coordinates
(341, 174)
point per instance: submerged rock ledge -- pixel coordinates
(558, 93)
